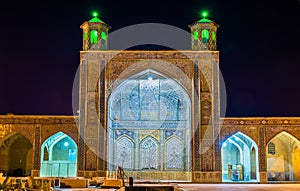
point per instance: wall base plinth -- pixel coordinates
(263, 177)
(207, 177)
(35, 173)
(91, 173)
(176, 176)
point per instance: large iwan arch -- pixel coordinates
(59, 156)
(239, 159)
(283, 158)
(147, 114)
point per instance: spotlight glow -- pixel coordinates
(95, 14)
(204, 14)
(66, 144)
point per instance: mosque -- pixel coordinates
(155, 113)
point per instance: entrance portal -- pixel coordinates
(59, 156)
(149, 128)
(239, 159)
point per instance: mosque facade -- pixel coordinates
(156, 114)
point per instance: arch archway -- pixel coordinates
(144, 112)
(283, 158)
(149, 153)
(16, 155)
(253, 163)
(239, 159)
(125, 152)
(173, 154)
(59, 156)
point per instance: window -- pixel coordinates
(196, 35)
(214, 37)
(271, 148)
(94, 36)
(103, 35)
(205, 36)
(85, 36)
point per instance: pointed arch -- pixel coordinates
(247, 155)
(225, 135)
(73, 136)
(239, 158)
(283, 164)
(253, 168)
(4, 143)
(174, 153)
(13, 135)
(147, 108)
(149, 153)
(286, 132)
(16, 155)
(59, 156)
(173, 137)
(164, 69)
(124, 152)
(149, 96)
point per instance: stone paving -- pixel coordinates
(243, 187)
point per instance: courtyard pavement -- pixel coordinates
(243, 187)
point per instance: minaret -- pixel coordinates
(204, 34)
(95, 34)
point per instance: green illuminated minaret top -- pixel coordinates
(204, 19)
(203, 33)
(95, 19)
(95, 34)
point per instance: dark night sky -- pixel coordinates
(258, 42)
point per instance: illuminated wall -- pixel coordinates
(239, 149)
(59, 156)
(283, 158)
(149, 124)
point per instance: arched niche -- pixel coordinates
(239, 159)
(16, 155)
(59, 156)
(149, 152)
(283, 160)
(124, 152)
(174, 158)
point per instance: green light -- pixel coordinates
(204, 14)
(85, 35)
(95, 14)
(214, 36)
(205, 36)
(94, 37)
(103, 35)
(196, 35)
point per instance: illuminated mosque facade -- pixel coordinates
(155, 113)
